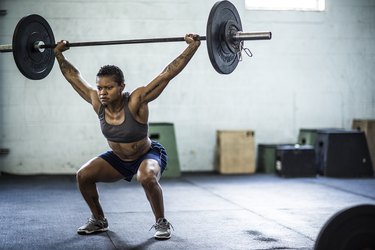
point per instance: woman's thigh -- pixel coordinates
(99, 170)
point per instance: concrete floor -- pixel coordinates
(207, 211)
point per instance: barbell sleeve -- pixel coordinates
(6, 48)
(261, 35)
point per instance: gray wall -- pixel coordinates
(317, 71)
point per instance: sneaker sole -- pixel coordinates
(85, 232)
(162, 237)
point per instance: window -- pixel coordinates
(302, 5)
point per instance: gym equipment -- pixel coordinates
(30, 31)
(342, 153)
(295, 161)
(348, 229)
(33, 39)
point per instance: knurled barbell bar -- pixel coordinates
(33, 39)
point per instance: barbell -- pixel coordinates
(33, 41)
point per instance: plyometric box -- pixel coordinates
(164, 133)
(295, 161)
(266, 157)
(235, 151)
(342, 154)
(368, 127)
(307, 136)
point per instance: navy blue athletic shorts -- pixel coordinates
(129, 168)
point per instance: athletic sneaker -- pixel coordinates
(163, 229)
(93, 225)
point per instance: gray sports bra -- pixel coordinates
(128, 131)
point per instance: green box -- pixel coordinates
(307, 136)
(266, 157)
(165, 134)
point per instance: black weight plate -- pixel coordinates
(221, 54)
(33, 63)
(349, 229)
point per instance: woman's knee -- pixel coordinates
(85, 174)
(148, 173)
(81, 175)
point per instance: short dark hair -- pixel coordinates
(114, 71)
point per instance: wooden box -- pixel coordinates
(367, 126)
(236, 152)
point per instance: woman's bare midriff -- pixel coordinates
(131, 151)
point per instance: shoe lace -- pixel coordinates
(93, 221)
(162, 225)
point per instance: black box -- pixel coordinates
(342, 154)
(367, 126)
(295, 161)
